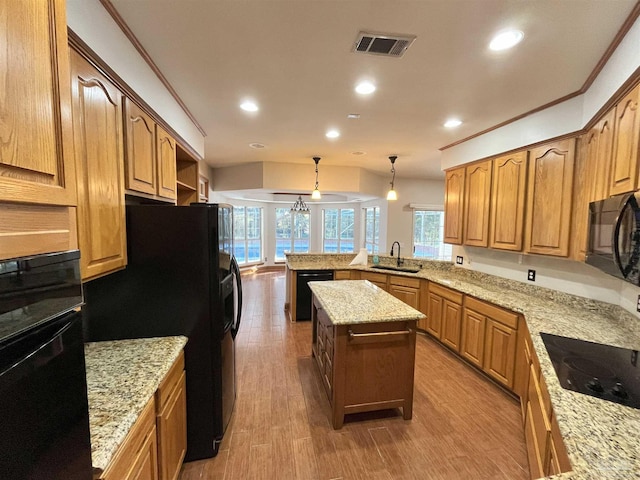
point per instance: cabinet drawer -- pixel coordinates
(170, 381)
(404, 281)
(374, 277)
(503, 316)
(342, 275)
(444, 292)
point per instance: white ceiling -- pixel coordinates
(294, 57)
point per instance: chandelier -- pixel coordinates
(299, 206)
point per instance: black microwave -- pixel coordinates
(614, 236)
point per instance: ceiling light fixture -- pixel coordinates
(249, 106)
(365, 88)
(392, 195)
(506, 40)
(353, 116)
(316, 193)
(299, 206)
(332, 134)
(452, 123)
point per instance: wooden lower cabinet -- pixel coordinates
(406, 289)
(379, 279)
(342, 275)
(472, 347)
(155, 446)
(444, 317)
(137, 456)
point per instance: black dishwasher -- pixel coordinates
(303, 292)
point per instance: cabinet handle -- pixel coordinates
(378, 335)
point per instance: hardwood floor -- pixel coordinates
(463, 426)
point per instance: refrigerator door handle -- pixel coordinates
(237, 294)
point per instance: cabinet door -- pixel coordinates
(549, 194)
(97, 125)
(472, 344)
(624, 176)
(454, 205)
(36, 143)
(451, 325)
(145, 466)
(508, 201)
(172, 432)
(140, 151)
(407, 294)
(166, 152)
(434, 317)
(477, 195)
(584, 171)
(603, 157)
(500, 352)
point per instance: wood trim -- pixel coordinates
(108, 6)
(94, 59)
(624, 29)
(622, 92)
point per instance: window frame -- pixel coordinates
(339, 230)
(246, 238)
(292, 238)
(445, 249)
(375, 242)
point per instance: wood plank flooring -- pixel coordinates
(463, 426)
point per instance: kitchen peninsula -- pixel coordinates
(364, 342)
(599, 436)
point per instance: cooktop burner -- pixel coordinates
(602, 371)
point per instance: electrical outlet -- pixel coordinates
(459, 260)
(531, 275)
(638, 305)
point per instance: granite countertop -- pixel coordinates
(374, 305)
(122, 376)
(601, 437)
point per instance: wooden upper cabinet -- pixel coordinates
(477, 195)
(140, 156)
(97, 125)
(166, 152)
(454, 205)
(549, 195)
(36, 142)
(508, 195)
(601, 158)
(626, 143)
(584, 178)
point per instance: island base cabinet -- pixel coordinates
(373, 368)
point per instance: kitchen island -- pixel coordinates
(364, 344)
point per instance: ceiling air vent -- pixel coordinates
(383, 44)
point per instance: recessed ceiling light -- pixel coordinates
(452, 123)
(357, 153)
(332, 134)
(249, 106)
(256, 145)
(365, 88)
(506, 40)
(353, 115)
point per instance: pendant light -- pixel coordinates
(299, 206)
(316, 193)
(391, 195)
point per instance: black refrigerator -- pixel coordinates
(181, 279)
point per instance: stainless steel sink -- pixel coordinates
(397, 269)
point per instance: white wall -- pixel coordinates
(96, 28)
(559, 274)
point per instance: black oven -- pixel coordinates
(43, 408)
(614, 236)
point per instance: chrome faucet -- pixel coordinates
(400, 261)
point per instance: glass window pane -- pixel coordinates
(253, 248)
(238, 223)
(331, 223)
(330, 246)
(429, 235)
(301, 245)
(283, 223)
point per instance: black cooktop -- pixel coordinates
(602, 371)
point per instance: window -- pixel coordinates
(337, 230)
(428, 235)
(247, 234)
(292, 233)
(372, 229)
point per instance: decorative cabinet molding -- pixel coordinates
(36, 144)
(549, 195)
(454, 205)
(477, 195)
(97, 123)
(140, 159)
(508, 196)
(166, 155)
